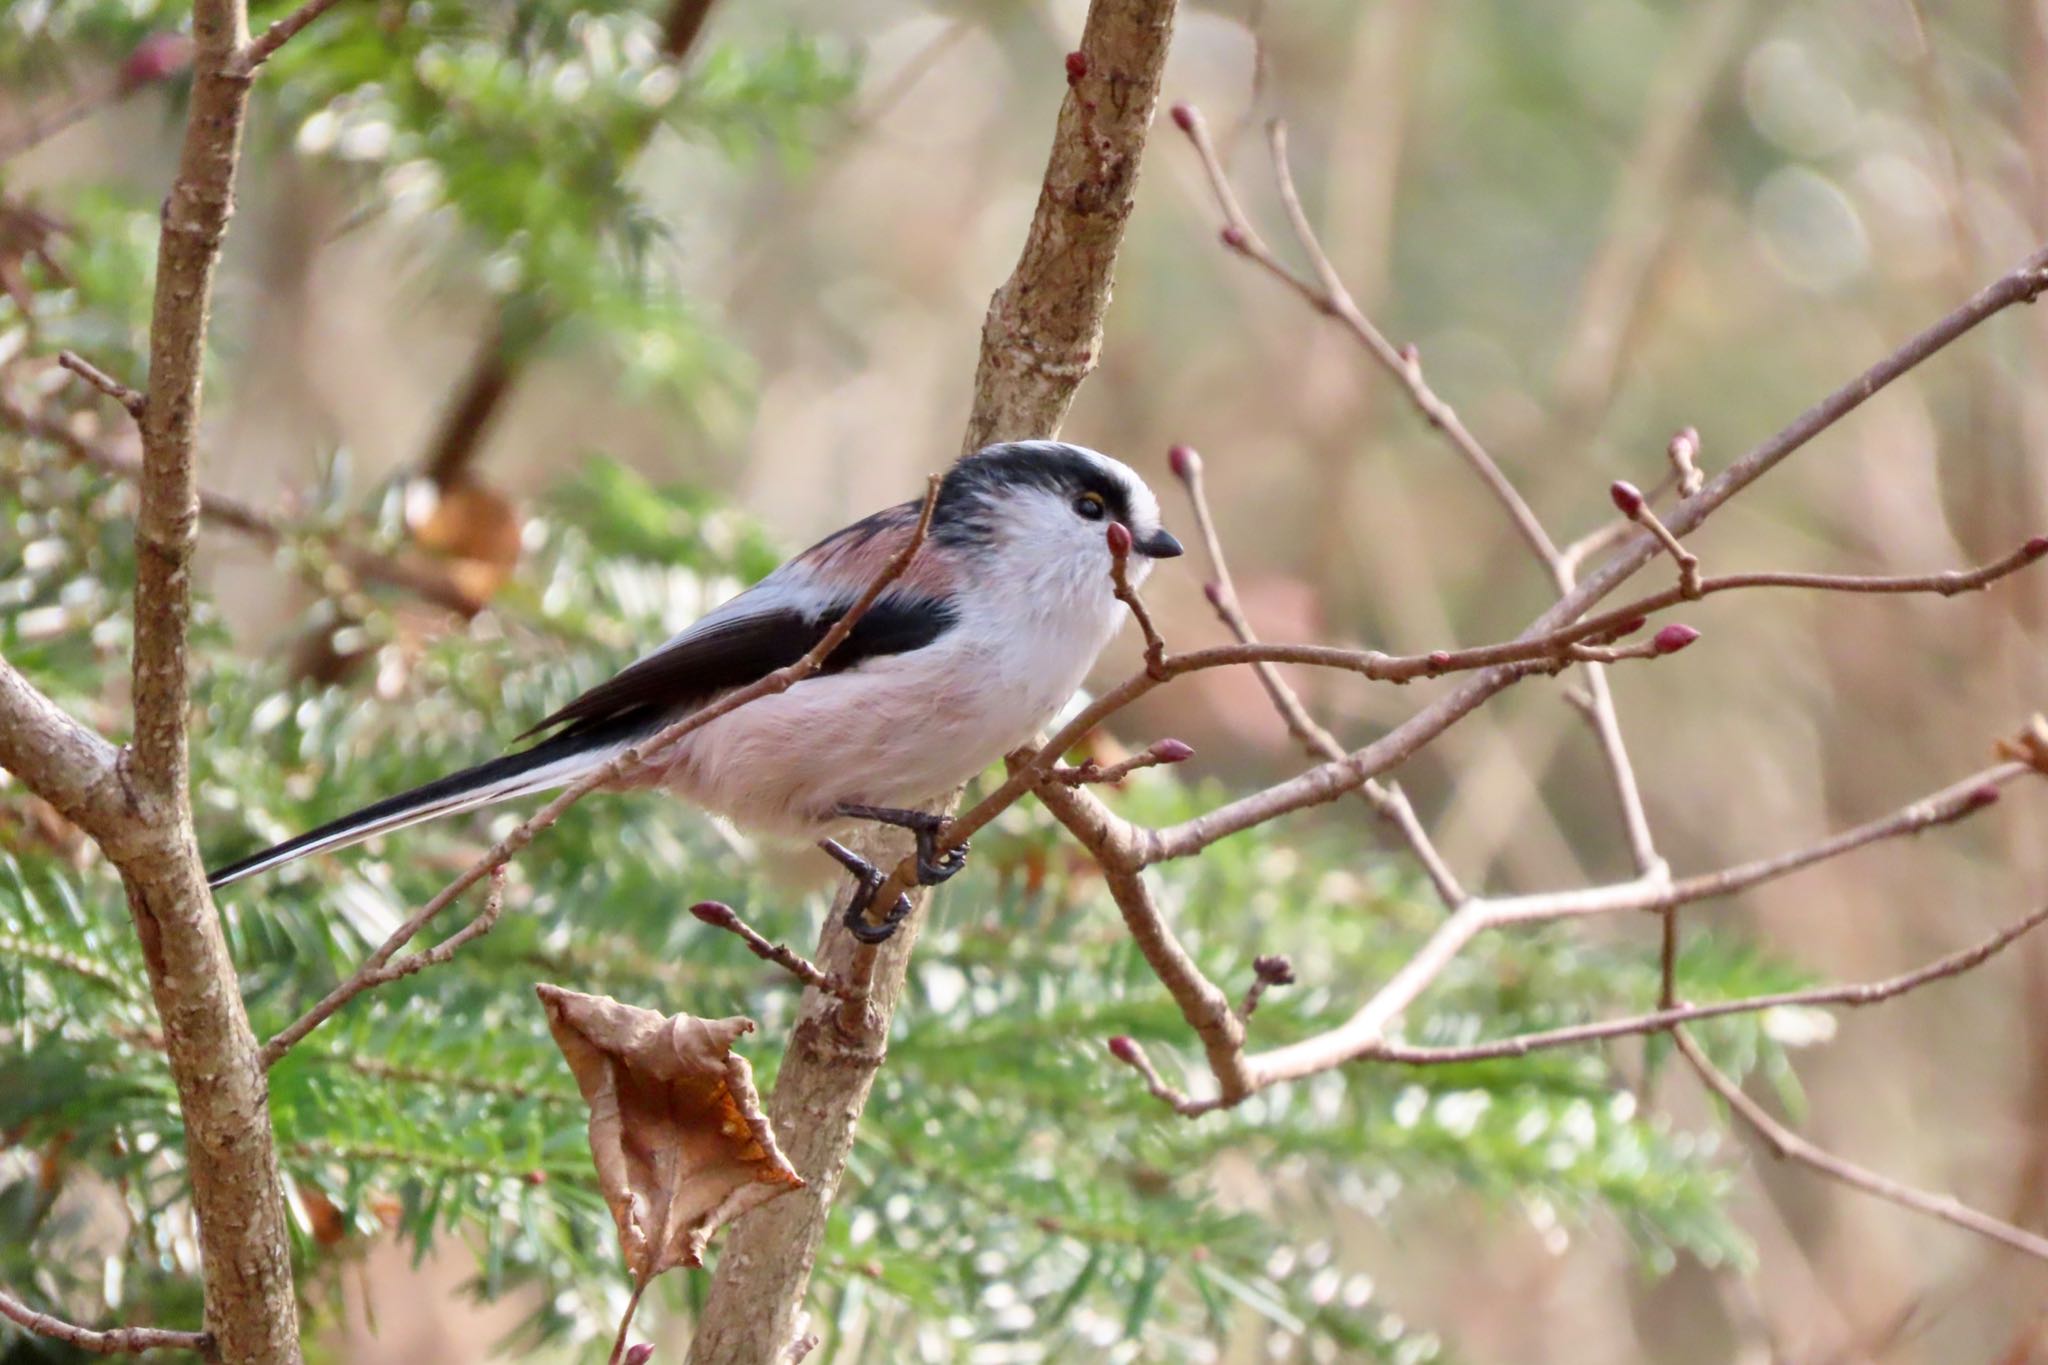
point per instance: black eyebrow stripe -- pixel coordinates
(1057, 468)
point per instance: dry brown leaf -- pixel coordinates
(676, 1128)
(477, 530)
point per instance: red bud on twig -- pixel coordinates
(1184, 116)
(1275, 969)
(1125, 1049)
(1119, 537)
(1172, 751)
(1673, 638)
(641, 1354)
(536, 1177)
(1439, 660)
(1234, 238)
(1631, 626)
(2037, 547)
(1185, 463)
(717, 914)
(1978, 799)
(1628, 499)
(155, 58)
(1214, 592)
(1077, 67)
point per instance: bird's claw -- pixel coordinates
(934, 867)
(867, 880)
(856, 920)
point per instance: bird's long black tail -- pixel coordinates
(551, 763)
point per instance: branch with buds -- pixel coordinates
(1568, 633)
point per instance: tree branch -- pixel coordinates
(1039, 341)
(255, 54)
(113, 1341)
(1665, 1018)
(1788, 1145)
(237, 1204)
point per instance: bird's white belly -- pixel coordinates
(894, 732)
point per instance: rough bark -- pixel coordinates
(1044, 326)
(1039, 342)
(251, 1310)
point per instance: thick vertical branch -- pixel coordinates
(250, 1307)
(1044, 326)
(1040, 340)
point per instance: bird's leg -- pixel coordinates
(868, 880)
(933, 867)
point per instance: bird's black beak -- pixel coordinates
(1160, 545)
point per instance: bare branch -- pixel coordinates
(1633, 505)
(1387, 801)
(1327, 295)
(114, 1341)
(113, 388)
(255, 54)
(1093, 774)
(1131, 1053)
(1268, 971)
(719, 915)
(267, 530)
(1202, 1003)
(1119, 536)
(648, 751)
(1365, 1033)
(1786, 1144)
(60, 760)
(1667, 1017)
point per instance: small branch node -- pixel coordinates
(1683, 452)
(128, 398)
(1120, 544)
(1091, 773)
(1629, 500)
(719, 915)
(1127, 1050)
(1268, 970)
(2029, 746)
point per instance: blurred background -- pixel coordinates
(1598, 223)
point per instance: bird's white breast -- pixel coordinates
(902, 729)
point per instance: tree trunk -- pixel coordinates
(1040, 340)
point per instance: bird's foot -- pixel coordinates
(868, 879)
(933, 866)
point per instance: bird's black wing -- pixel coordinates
(742, 649)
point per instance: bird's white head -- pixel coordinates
(1040, 511)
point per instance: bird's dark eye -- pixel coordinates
(1090, 506)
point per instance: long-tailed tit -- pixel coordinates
(966, 656)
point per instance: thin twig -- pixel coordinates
(625, 1323)
(131, 399)
(278, 34)
(719, 915)
(378, 968)
(111, 1342)
(1387, 801)
(631, 759)
(1789, 1145)
(1633, 505)
(1365, 1034)
(1669, 1016)
(1268, 971)
(1091, 773)
(224, 510)
(1119, 537)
